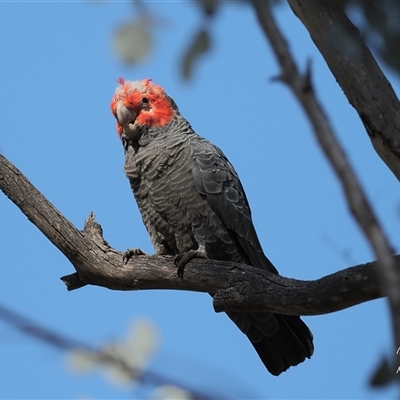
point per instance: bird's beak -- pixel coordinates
(126, 118)
(125, 115)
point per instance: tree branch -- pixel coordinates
(236, 287)
(357, 73)
(302, 88)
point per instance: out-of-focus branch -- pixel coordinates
(358, 203)
(102, 356)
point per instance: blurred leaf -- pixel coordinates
(172, 392)
(80, 360)
(132, 42)
(382, 375)
(199, 46)
(390, 52)
(133, 353)
(375, 15)
(380, 27)
(139, 345)
(119, 375)
(209, 7)
(122, 360)
(146, 335)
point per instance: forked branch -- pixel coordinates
(235, 286)
(343, 49)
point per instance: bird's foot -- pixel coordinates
(182, 259)
(131, 253)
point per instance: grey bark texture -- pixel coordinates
(372, 96)
(357, 73)
(237, 286)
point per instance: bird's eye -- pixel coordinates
(145, 100)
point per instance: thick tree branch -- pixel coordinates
(357, 73)
(303, 90)
(236, 287)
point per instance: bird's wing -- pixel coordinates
(215, 178)
(280, 341)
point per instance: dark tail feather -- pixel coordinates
(291, 345)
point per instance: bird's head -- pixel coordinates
(139, 104)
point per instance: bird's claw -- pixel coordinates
(131, 253)
(182, 259)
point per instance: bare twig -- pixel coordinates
(357, 200)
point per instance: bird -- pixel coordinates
(193, 205)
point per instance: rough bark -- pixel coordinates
(357, 73)
(371, 94)
(236, 287)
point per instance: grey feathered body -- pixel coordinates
(190, 197)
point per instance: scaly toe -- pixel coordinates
(182, 259)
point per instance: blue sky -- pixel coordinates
(57, 77)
